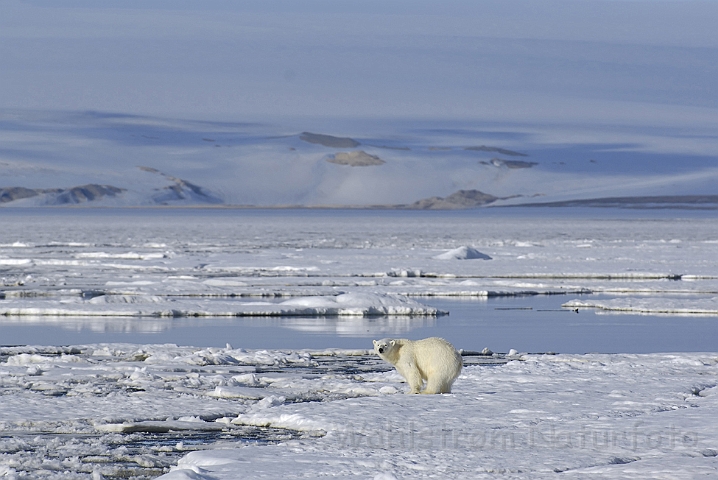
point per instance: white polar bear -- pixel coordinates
(432, 359)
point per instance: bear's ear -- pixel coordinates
(393, 342)
(374, 342)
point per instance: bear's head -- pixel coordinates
(384, 345)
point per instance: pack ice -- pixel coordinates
(124, 410)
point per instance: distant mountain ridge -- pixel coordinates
(91, 158)
(177, 191)
(180, 190)
(457, 200)
(61, 196)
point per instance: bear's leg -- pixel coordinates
(446, 387)
(437, 385)
(432, 386)
(413, 378)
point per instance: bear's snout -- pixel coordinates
(381, 349)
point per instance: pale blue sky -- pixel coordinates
(626, 62)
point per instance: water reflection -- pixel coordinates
(359, 327)
(341, 326)
(246, 332)
(91, 324)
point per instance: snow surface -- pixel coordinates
(463, 253)
(347, 304)
(234, 262)
(597, 416)
(663, 305)
(343, 414)
(119, 410)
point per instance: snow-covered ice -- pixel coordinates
(147, 261)
(586, 416)
(342, 414)
(675, 305)
(463, 253)
(120, 409)
(123, 305)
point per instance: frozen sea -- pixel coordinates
(233, 343)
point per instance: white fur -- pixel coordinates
(433, 360)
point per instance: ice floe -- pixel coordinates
(686, 305)
(142, 408)
(347, 304)
(463, 253)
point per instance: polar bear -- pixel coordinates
(432, 359)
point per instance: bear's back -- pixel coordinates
(436, 351)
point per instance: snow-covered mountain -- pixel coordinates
(58, 158)
(457, 104)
